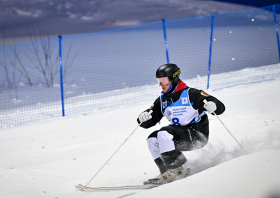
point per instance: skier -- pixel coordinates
(189, 129)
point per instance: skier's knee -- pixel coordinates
(154, 134)
(153, 147)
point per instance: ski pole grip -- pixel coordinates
(150, 112)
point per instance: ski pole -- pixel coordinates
(115, 151)
(205, 101)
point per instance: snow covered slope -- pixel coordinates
(255, 176)
(47, 159)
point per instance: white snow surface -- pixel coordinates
(47, 159)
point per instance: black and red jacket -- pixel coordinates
(196, 98)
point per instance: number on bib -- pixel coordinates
(176, 121)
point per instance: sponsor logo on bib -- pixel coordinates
(169, 113)
(185, 100)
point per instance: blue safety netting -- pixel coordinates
(116, 68)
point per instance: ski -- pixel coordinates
(147, 186)
(115, 188)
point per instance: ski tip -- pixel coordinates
(80, 187)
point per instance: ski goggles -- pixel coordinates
(163, 81)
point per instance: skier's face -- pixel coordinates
(165, 87)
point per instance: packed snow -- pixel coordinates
(48, 158)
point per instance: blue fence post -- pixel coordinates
(276, 27)
(61, 73)
(165, 39)
(210, 51)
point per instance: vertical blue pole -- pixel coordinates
(166, 44)
(276, 27)
(210, 51)
(61, 74)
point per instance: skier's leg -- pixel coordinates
(163, 147)
(153, 146)
(155, 151)
(172, 158)
(165, 141)
(161, 165)
(170, 141)
(161, 144)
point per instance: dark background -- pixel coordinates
(68, 17)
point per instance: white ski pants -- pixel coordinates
(161, 144)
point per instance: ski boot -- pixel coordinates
(170, 168)
(169, 176)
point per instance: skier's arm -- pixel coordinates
(197, 97)
(156, 115)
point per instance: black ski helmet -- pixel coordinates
(172, 71)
